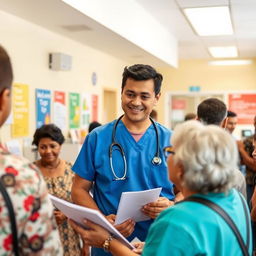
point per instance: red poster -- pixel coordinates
(94, 107)
(178, 104)
(59, 97)
(244, 105)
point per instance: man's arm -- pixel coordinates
(80, 193)
(247, 160)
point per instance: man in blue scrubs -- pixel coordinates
(135, 133)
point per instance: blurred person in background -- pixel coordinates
(190, 116)
(231, 121)
(93, 125)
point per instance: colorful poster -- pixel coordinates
(244, 105)
(74, 110)
(95, 107)
(43, 107)
(60, 110)
(86, 110)
(20, 110)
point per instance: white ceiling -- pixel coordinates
(57, 16)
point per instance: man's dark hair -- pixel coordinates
(212, 111)
(48, 131)
(231, 114)
(6, 75)
(93, 125)
(140, 72)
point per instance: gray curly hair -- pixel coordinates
(208, 154)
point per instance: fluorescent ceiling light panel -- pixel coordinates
(223, 52)
(230, 62)
(210, 21)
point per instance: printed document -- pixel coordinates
(131, 203)
(79, 213)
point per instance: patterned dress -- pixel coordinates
(61, 187)
(37, 229)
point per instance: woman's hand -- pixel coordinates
(59, 216)
(138, 247)
(94, 236)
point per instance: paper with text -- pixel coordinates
(131, 203)
(79, 213)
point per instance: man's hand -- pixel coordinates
(126, 228)
(155, 208)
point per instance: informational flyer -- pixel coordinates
(95, 107)
(20, 110)
(43, 107)
(86, 110)
(60, 110)
(244, 105)
(74, 110)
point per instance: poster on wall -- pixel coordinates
(43, 107)
(244, 105)
(20, 110)
(95, 107)
(74, 110)
(59, 110)
(86, 110)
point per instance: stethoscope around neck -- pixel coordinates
(155, 161)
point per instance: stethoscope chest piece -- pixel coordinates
(156, 160)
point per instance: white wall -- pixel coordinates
(29, 46)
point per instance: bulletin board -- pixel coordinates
(244, 105)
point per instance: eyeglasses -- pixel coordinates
(168, 151)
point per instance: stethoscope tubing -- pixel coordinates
(155, 161)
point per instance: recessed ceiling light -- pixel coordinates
(210, 21)
(230, 62)
(223, 52)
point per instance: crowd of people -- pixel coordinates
(196, 165)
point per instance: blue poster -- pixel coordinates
(43, 107)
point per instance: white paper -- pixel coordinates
(131, 203)
(79, 213)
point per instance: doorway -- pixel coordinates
(109, 105)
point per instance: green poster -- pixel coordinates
(74, 110)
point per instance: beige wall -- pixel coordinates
(29, 46)
(209, 78)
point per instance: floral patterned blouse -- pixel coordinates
(61, 187)
(36, 226)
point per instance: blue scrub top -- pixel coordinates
(93, 164)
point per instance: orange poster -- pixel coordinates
(244, 105)
(94, 107)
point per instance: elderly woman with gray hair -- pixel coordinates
(201, 164)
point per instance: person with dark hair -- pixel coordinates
(214, 111)
(126, 155)
(190, 116)
(59, 177)
(231, 121)
(93, 125)
(22, 183)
